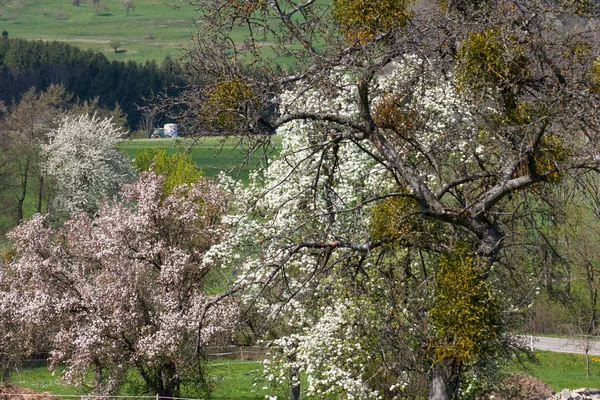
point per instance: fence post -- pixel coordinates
(242, 352)
(157, 398)
(531, 342)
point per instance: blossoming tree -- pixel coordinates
(316, 241)
(522, 77)
(83, 160)
(126, 288)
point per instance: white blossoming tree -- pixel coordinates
(310, 242)
(126, 288)
(422, 178)
(375, 292)
(83, 160)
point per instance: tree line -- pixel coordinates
(85, 73)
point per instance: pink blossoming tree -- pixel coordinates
(127, 288)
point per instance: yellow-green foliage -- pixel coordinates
(552, 150)
(365, 19)
(484, 61)
(396, 220)
(579, 6)
(578, 51)
(247, 7)
(8, 254)
(389, 114)
(463, 6)
(465, 313)
(525, 113)
(227, 103)
(595, 75)
(178, 169)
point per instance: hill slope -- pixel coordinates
(150, 32)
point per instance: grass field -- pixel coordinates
(151, 31)
(235, 380)
(211, 154)
(562, 370)
(242, 379)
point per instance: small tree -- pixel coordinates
(177, 169)
(127, 5)
(115, 44)
(99, 7)
(586, 341)
(24, 129)
(85, 163)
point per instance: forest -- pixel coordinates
(426, 192)
(86, 74)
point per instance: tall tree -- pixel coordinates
(25, 129)
(526, 72)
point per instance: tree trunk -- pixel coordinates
(20, 201)
(6, 365)
(19, 210)
(169, 381)
(294, 387)
(593, 301)
(444, 380)
(587, 364)
(294, 380)
(40, 193)
(21, 198)
(6, 372)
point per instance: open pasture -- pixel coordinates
(151, 31)
(212, 154)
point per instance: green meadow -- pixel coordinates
(563, 370)
(211, 154)
(243, 379)
(150, 32)
(154, 30)
(227, 379)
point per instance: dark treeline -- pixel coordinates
(85, 73)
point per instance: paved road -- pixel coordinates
(561, 345)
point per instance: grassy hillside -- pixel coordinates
(151, 31)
